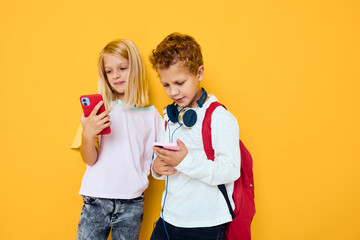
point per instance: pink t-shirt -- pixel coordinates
(123, 165)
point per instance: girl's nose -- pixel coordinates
(116, 75)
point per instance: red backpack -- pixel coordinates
(243, 195)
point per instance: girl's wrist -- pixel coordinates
(88, 137)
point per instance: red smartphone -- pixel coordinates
(88, 102)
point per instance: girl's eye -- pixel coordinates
(165, 85)
(122, 69)
(107, 72)
(180, 83)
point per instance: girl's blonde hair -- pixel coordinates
(136, 90)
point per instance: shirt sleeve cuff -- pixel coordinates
(157, 176)
(185, 163)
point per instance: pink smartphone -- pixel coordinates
(169, 146)
(88, 102)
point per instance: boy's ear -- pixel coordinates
(200, 73)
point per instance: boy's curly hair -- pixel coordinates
(177, 47)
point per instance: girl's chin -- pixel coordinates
(119, 90)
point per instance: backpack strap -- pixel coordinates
(206, 130)
(209, 151)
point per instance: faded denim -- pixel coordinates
(122, 216)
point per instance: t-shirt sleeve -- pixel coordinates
(77, 141)
(160, 133)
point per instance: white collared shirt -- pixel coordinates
(193, 198)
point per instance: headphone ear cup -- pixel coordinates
(188, 117)
(173, 113)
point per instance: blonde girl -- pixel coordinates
(118, 164)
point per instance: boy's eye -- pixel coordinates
(180, 83)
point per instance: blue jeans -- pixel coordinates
(122, 216)
(178, 233)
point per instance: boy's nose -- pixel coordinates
(174, 91)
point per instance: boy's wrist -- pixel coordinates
(177, 162)
(183, 163)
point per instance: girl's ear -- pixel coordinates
(200, 73)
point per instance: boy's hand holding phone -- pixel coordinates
(170, 157)
(162, 168)
(94, 124)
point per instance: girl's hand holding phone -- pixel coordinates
(94, 124)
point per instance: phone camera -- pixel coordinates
(85, 101)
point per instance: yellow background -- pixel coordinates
(288, 70)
